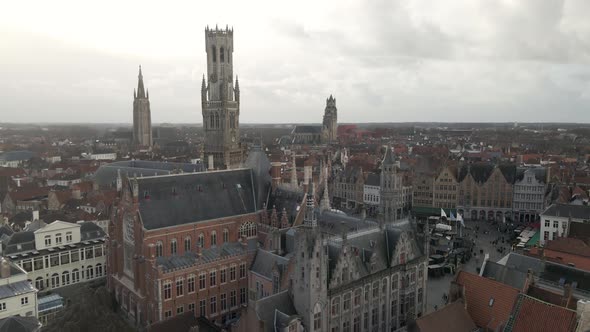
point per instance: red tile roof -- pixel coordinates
(489, 302)
(450, 318)
(536, 315)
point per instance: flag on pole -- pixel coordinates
(442, 213)
(460, 219)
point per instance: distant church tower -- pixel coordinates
(142, 118)
(390, 191)
(220, 102)
(330, 123)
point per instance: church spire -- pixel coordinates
(140, 88)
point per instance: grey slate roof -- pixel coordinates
(332, 222)
(564, 210)
(264, 262)
(15, 289)
(174, 262)
(373, 179)
(260, 165)
(16, 155)
(19, 324)
(266, 309)
(505, 274)
(106, 175)
(185, 198)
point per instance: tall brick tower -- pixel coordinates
(220, 101)
(142, 117)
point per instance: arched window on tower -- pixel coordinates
(221, 55)
(216, 120)
(213, 53)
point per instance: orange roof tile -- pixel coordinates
(489, 302)
(536, 315)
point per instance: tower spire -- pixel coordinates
(140, 87)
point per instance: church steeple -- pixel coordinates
(140, 87)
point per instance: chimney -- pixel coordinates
(35, 215)
(210, 161)
(4, 268)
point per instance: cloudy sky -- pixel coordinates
(383, 60)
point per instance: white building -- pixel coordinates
(555, 220)
(372, 193)
(59, 254)
(17, 295)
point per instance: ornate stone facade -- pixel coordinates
(220, 101)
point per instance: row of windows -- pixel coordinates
(66, 278)
(63, 258)
(226, 302)
(247, 229)
(58, 239)
(23, 302)
(191, 281)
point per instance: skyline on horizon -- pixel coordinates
(408, 61)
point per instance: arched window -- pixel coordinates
(213, 238)
(213, 53)
(201, 240)
(89, 272)
(225, 235)
(187, 244)
(216, 120)
(98, 270)
(159, 249)
(173, 247)
(212, 120)
(317, 317)
(75, 276)
(221, 55)
(65, 278)
(54, 280)
(39, 283)
(248, 229)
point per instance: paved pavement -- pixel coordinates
(439, 286)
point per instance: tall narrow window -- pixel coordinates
(187, 244)
(214, 238)
(173, 247)
(221, 55)
(225, 235)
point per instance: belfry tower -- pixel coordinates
(220, 101)
(142, 117)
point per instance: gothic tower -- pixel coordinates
(330, 123)
(390, 191)
(220, 101)
(309, 278)
(142, 118)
